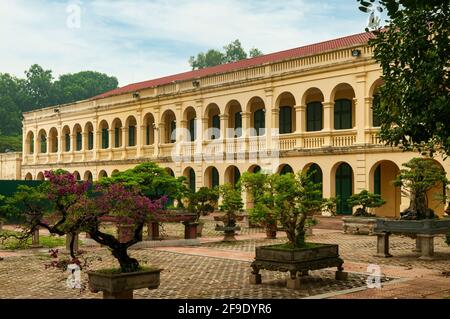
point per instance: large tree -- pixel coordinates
(37, 90)
(232, 52)
(413, 50)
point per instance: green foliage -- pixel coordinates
(10, 143)
(260, 187)
(366, 200)
(152, 180)
(231, 203)
(45, 241)
(203, 202)
(330, 205)
(413, 51)
(296, 197)
(39, 89)
(232, 52)
(416, 179)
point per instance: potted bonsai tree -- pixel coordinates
(260, 187)
(418, 221)
(77, 206)
(231, 204)
(202, 203)
(362, 221)
(296, 198)
(153, 182)
(416, 179)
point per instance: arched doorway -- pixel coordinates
(286, 169)
(316, 174)
(344, 188)
(232, 175)
(189, 173)
(382, 175)
(211, 177)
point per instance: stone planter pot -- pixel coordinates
(359, 225)
(200, 229)
(121, 286)
(296, 261)
(271, 231)
(229, 232)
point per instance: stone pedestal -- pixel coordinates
(153, 230)
(426, 246)
(293, 283)
(75, 244)
(418, 247)
(35, 239)
(190, 230)
(118, 295)
(383, 245)
(255, 279)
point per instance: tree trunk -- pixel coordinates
(127, 264)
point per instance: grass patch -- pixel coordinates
(117, 271)
(45, 241)
(290, 247)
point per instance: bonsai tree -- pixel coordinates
(64, 206)
(203, 202)
(260, 187)
(330, 205)
(416, 179)
(152, 181)
(296, 198)
(231, 203)
(366, 200)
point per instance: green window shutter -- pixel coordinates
(377, 180)
(147, 135)
(343, 114)
(375, 117)
(214, 177)
(105, 138)
(314, 115)
(131, 136)
(192, 180)
(173, 127)
(67, 136)
(43, 144)
(317, 176)
(238, 123)
(192, 127)
(116, 137)
(216, 127)
(344, 188)
(285, 122)
(237, 175)
(259, 120)
(32, 146)
(91, 140)
(286, 170)
(79, 141)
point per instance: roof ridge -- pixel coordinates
(305, 50)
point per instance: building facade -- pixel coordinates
(305, 108)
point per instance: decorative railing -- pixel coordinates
(166, 149)
(344, 140)
(313, 142)
(257, 144)
(287, 143)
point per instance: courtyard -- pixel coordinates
(212, 269)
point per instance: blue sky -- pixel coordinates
(137, 40)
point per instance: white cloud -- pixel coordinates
(139, 40)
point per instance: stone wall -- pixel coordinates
(10, 166)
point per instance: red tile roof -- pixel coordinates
(312, 49)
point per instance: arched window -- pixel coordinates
(173, 127)
(67, 141)
(375, 104)
(216, 127)
(285, 122)
(286, 170)
(343, 114)
(90, 140)
(79, 141)
(105, 138)
(314, 116)
(192, 180)
(132, 135)
(214, 177)
(192, 129)
(377, 180)
(260, 122)
(43, 143)
(344, 188)
(316, 175)
(238, 124)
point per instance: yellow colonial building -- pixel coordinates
(305, 108)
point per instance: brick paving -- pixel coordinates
(220, 270)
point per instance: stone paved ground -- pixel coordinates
(220, 270)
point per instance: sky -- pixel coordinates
(138, 40)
